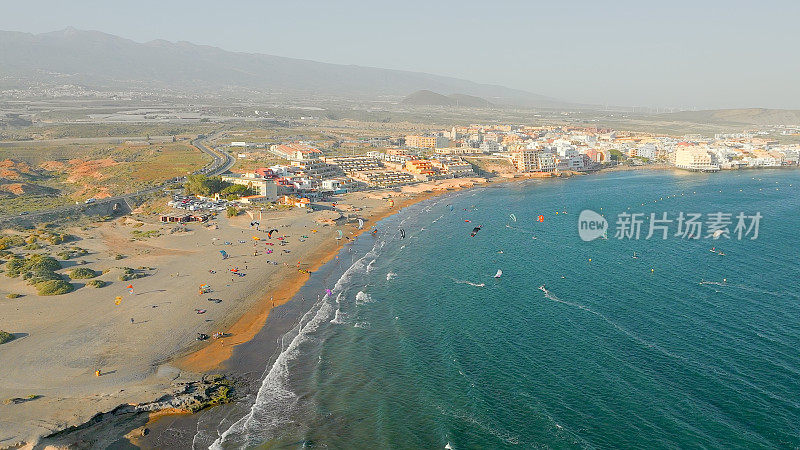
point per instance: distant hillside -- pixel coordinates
(751, 116)
(430, 98)
(19, 178)
(100, 60)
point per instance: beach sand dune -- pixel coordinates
(148, 341)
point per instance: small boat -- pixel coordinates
(498, 274)
(634, 256)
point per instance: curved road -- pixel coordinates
(221, 162)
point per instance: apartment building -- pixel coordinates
(295, 151)
(350, 164)
(431, 142)
(694, 159)
(265, 187)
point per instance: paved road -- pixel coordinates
(221, 162)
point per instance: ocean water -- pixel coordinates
(419, 346)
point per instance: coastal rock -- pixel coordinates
(104, 429)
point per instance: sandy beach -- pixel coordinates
(148, 342)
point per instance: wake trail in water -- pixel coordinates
(619, 328)
(469, 283)
(745, 287)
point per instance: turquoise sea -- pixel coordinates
(419, 346)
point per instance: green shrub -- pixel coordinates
(118, 256)
(34, 265)
(42, 262)
(13, 295)
(96, 283)
(5, 337)
(72, 252)
(53, 287)
(38, 276)
(11, 241)
(14, 267)
(139, 234)
(129, 273)
(82, 273)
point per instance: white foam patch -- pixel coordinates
(274, 400)
(362, 298)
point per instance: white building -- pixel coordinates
(695, 159)
(265, 187)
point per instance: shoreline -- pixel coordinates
(246, 362)
(214, 356)
(141, 386)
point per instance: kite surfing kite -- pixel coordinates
(269, 233)
(340, 234)
(513, 217)
(360, 223)
(224, 254)
(475, 230)
(130, 289)
(402, 233)
(118, 300)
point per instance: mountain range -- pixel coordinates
(429, 98)
(100, 60)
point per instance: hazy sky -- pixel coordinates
(666, 53)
